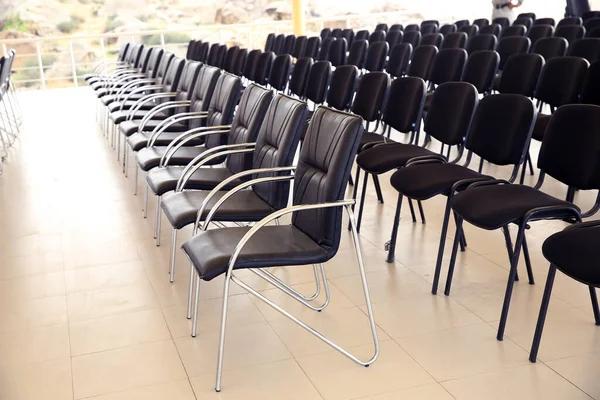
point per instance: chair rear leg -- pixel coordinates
(440, 256)
(362, 201)
(530, 163)
(537, 337)
(594, 299)
(528, 262)
(420, 205)
(378, 188)
(412, 210)
(391, 245)
(457, 236)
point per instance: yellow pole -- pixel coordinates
(298, 17)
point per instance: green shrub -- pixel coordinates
(112, 23)
(14, 23)
(66, 27)
(154, 40)
(78, 20)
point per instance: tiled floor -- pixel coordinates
(87, 311)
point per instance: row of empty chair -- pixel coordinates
(10, 111)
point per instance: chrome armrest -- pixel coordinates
(138, 105)
(124, 80)
(187, 136)
(140, 90)
(162, 107)
(173, 119)
(131, 84)
(182, 135)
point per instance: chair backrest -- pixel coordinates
(429, 28)
(154, 62)
(300, 76)
(502, 21)
(432, 39)
(123, 51)
(447, 29)
(481, 69)
(570, 21)
(569, 151)
(222, 106)
(263, 67)
(269, 42)
(551, 47)
(213, 54)
(325, 46)
(280, 72)
(545, 21)
(342, 86)
(525, 21)
(527, 15)
(470, 30)
(412, 27)
(288, 44)
(251, 62)
(337, 52)
(230, 59)
(299, 46)
(590, 94)
(276, 145)
(591, 23)
(358, 53)
(492, 29)
(312, 47)
(570, 32)
(588, 48)
(322, 175)
(135, 55)
(246, 124)
(448, 66)
(412, 37)
(462, 22)
(163, 67)
(240, 62)
(202, 53)
(538, 32)
(482, 42)
(203, 92)
(362, 35)
(450, 112)
(278, 43)
(501, 140)
(381, 27)
(145, 58)
(394, 37)
(336, 33)
(421, 61)
(187, 84)
(512, 45)
(561, 80)
(455, 40)
(370, 95)
(398, 60)
(325, 33)
(348, 34)
(514, 30)
(377, 36)
(396, 27)
(594, 33)
(221, 56)
(481, 22)
(521, 74)
(170, 81)
(404, 108)
(318, 81)
(191, 48)
(590, 14)
(376, 55)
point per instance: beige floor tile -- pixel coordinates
(244, 346)
(117, 331)
(32, 287)
(581, 371)
(31, 264)
(337, 377)
(105, 302)
(35, 313)
(34, 345)
(527, 382)
(176, 390)
(425, 392)
(127, 368)
(105, 276)
(49, 380)
(276, 380)
(32, 244)
(464, 351)
(109, 253)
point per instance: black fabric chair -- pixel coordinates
(377, 36)
(376, 56)
(381, 27)
(202, 52)
(447, 66)
(551, 47)
(529, 15)
(521, 74)
(336, 33)
(482, 42)
(430, 22)
(591, 24)
(502, 21)
(570, 32)
(594, 33)
(455, 40)
(362, 35)
(325, 33)
(263, 67)
(481, 22)
(398, 61)
(394, 37)
(590, 94)
(280, 72)
(463, 22)
(570, 21)
(278, 43)
(324, 50)
(421, 62)
(358, 53)
(412, 27)
(348, 34)
(538, 32)
(314, 234)
(240, 62)
(230, 59)
(269, 42)
(212, 57)
(588, 48)
(510, 46)
(574, 253)
(480, 70)
(396, 27)
(427, 28)
(299, 77)
(525, 21)
(250, 65)
(448, 29)
(271, 156)
(569, 155)
(318, 82)
(312, 47)
(337, 52)
(589, 15)
(342, 87)
(299, 46)
(545, 21)
(288, 45)
(492, 29)
(371, 94)
(191, 50)
(470, 30)
(412, 37)
(432, 39)
(514, 30)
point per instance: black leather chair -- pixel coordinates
(337, 52)
(318, 82)
(570, 32)
(288, 45)
(398, 61)
(336, 33)
(213, 55)
(470, 30)
(569, 155)
(299, 77)
(521, 74)
(455, 40)
(588, 48)
(230, 59)
(348, 34)
(412, 37)
(591, 24)
(481, 22)
(325, 33)
(538, 32)
(463, 22)
(135, 61)
(529, 15)
(550, 47)
(250, 65)
(371, 94)
(482, 42)
(382, 27)
(492, 29)
(432, 39)
(312, 47)
(280, 72)
(480, 70)
(396, 27)
(278, 43)
(358, 53)
(590, 14)
(448, 66)
(240, 62)
(412, 27)
(376, 55)
(202, 53)
(448, 29)
(421, 62)
(314, 234)
(514, 30)
(427, 28)
(263, 66)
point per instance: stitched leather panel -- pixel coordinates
(222, 106)
(203, 92)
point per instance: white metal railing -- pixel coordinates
(61, 61)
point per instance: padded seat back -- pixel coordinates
(278, 43)
(590, 94)
(251, 64)
(448, 29)
(337, 52)
(405, 104)
(230, 58)
(376, 55)
(570, 32)
(514, 30)
(280, 72)
(502, 21)
(396, 27)
(142, 65)
(213, 55)
(222, 105)
(173, 75)
(299, 46)
(341, 88)
(398, 60)
(371, 95)
(191, 49)
(203, 92)
(156, 56)
(312, 47)
(263, 67)
(509, 46)
(348, 34)
(427, 28)
(187, 84)
(412, 27)
(550, 47)
(382, 27)
(377, 36)
(470, 30)
(481, 22)
(455, 40)
(538, 32)
(525, 21)
(269, 42)
(299, 77)
(448, 65)
(422, 59)
(521, 74)
(463, 22)
(358, 53)
(492, 29)
(588, 48)
(325, 33)
(163, 67)
(394, 37)
(240, 62)
(123, 51)
(318, 81)
(412, 37)
(482, 42)
(202, 53)
(569, 21)
(561, 80)
(288, 44)
(362, 35)
(324, 51)
(432, 39)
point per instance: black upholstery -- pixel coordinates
(412, 37)
(538, 32)
(358, 53)
(525, 21)
(481, 22)
(341, 88)
(502, 21)
(398, 61)
(512, 45)
(570, 32)
(521, 74)
(362, 35)
(336, 33)
(337, 52)
(470, 30)
(288, 44)
(448, 65)
(202, 53)
(482, 42)
(280, 72)
(569, 21)
(299, 76)
(376, 56)
(550, 47)
(422, 60)
(396, 27)
(348, 34)
(463, 22)
(370, 95)
(230, 59)
(240, 62)
(480, 69)
(590, 94)
(324, 50)
(591, 24)
(514, 30)
(263, 67)
(394, 37)
(432, 39)
(377, 36)
(381, 27)
(251, 64)
(213, 53)
(588, 48)
(325, 33)
(269, 42)
(448, 29)
(492, 29)
(455, 40)
(278, 43)
(318, 81)
(590, 14)
(299, 46)
(312, 47)
(427, 28)
(412, 27)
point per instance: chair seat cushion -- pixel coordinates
(385, 157)
(118, 117)
(491, 207)
(540, 126)
(163, 180)
(575, 252)
(421, 182)
(149, 157)
(271, 246)
(116, 106)
(111, 98)
(139, 140)
(181, 208)
(128, 128)
(371, 137)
